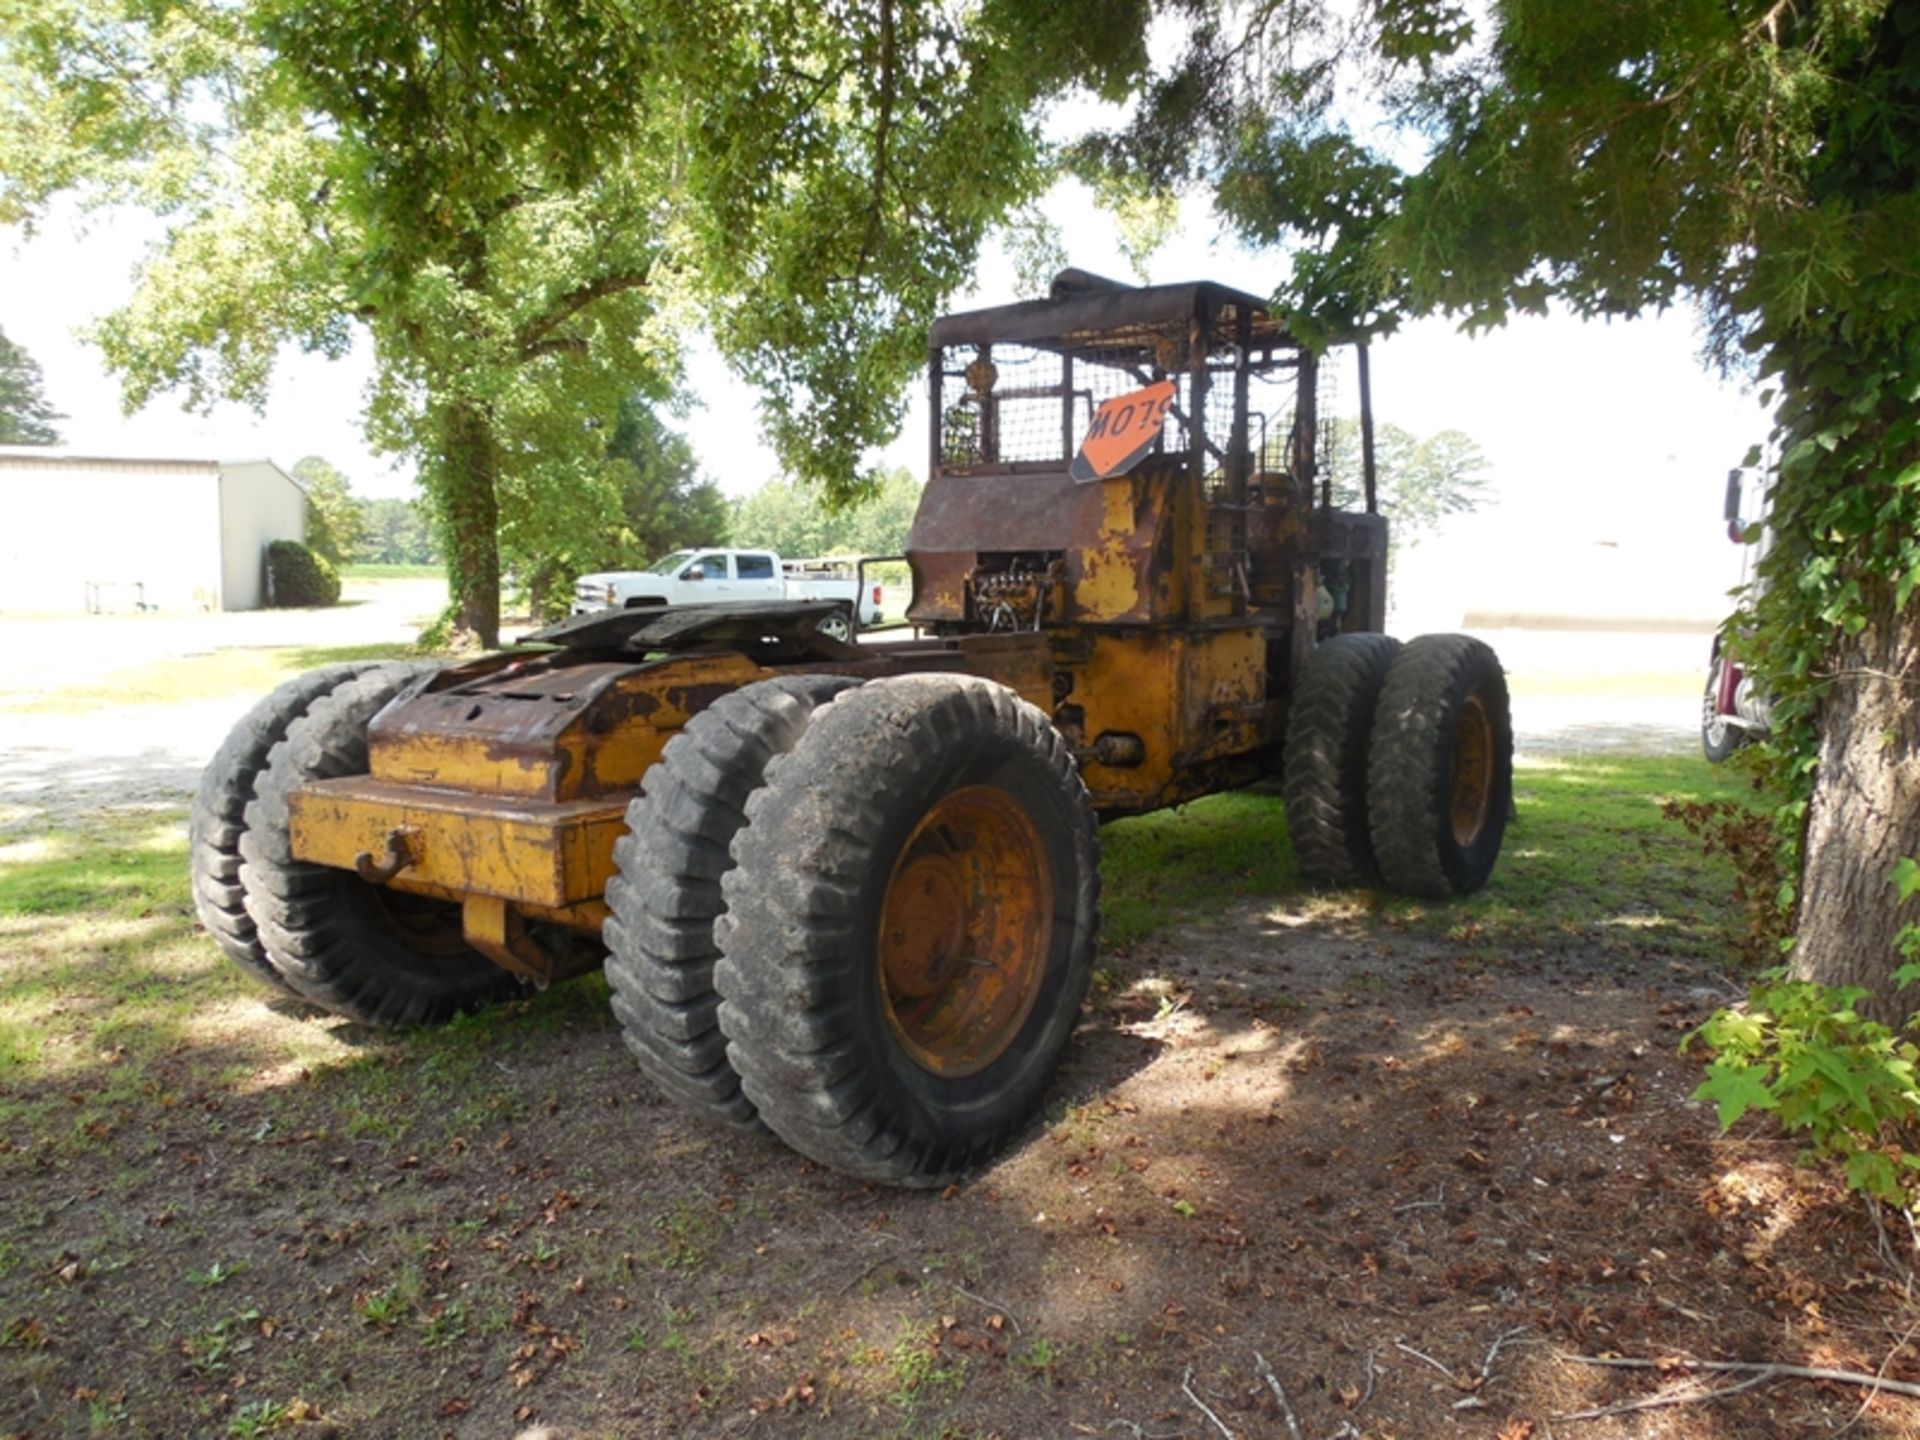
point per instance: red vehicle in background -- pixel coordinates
(1734, 711)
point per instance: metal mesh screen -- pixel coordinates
(1014, 404)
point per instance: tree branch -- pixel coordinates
(1763, 1369)
(572, 303)
(882, 133)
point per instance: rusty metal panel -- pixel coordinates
(549, 730)
(1106, 313)
(972, 513)
(504, 733)
(1194, 697)
(542, 854)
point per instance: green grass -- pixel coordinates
(1588, 858)
(96, 932)
(1157, 870)
(140, 1069)
(213, 675)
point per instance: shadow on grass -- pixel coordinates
(1587, 857)
(1303, 1132)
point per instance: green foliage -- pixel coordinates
(656, 501)
(297, 576)
(25, 416)
(526, 207)
(666, 504)
(1422, 480)
(1802, 1052)
(336, 521)
(396, 532)
(787, 518)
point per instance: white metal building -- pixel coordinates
(98, 533)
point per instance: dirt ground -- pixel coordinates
(1301, 1177)
(1410, 1179)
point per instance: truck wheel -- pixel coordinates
(909, 927)
(377, 955)
(1326, 758)
(665, 892)
(1440, 767)
(220, 811)
(837, 625)
(1718, 739)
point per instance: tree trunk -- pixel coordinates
(471, 506)
(1865, 811)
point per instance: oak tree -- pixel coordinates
(525, 205)
(1756, 158)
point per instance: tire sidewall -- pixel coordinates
(1469, 866)
(961, 1109)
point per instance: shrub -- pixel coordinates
(296, 576)
(1850, 1085)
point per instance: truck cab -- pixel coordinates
(686, 577)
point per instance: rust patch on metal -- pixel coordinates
(965, 929)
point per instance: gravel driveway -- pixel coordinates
(149, 757)
(141, 757)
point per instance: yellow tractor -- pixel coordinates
(848, 891)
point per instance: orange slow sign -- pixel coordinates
(1123, 430)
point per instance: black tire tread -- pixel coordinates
(1409, 760)
(813, 835)
(218, 818)
(1325, 772)
(311, 919)
(665, 893)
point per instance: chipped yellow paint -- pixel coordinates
(539, 853)
(1118, 572)
(1191, 697)
(464, 762)
(493, 928)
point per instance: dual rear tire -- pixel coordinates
(379, 956)
(860, 916)
(1399, 764)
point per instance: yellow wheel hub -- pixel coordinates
(965, 930)
(1472, 771)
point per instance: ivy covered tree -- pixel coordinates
(1754, 157)
(25, 416)
(656, 501)
(524, 205)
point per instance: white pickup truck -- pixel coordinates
(713, 577)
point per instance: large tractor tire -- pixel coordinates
(1440, 767)
(1325, 773)
(374, 954)
(219, 816)
(909, 928)
(665, 892)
